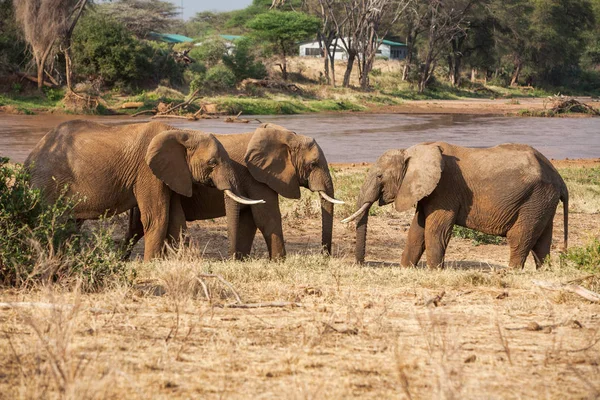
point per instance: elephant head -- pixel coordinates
(183, 158)
(400, 176)
(285, 161)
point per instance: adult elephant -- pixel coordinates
(112, 169)
(509, 190)
(270, 161)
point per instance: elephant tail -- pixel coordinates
(564, 197)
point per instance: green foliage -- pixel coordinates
(292, 106)
(219, 77)
(282, 30)
(210, 52)
(39, 243)
(54, 94)
(141, 17)
(243, 62)
(477, 237)
(103, 47)
(586, 258)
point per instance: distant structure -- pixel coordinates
(387, 49)
(170, 37)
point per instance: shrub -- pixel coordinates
(585, 258)
(103, 47)
(219, 77)
(476, 236)
(39, 241)
(243, 63)
(210, 52)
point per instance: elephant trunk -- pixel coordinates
(323, 184)
(232, 210)
(361, 236)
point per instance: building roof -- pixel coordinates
(390, 43)
(170, 37)
(230, 37)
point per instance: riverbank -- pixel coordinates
(312, 98)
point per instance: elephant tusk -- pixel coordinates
(357, 213)
(242, 200)
(330, 199)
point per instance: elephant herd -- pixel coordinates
(167, 176)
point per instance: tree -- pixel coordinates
(142, 16)
(12, 47)
(44, 23)
(281, 31)
(243, 62)
(445, 21)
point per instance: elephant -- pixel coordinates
(270, 161)
(112, 169)
(509, 190)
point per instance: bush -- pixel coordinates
(210, 52)
(103, 47)
(476, 236)
(243, 63)
(585, 258)
(219, 77)
(39, 242)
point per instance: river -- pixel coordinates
(356, 137)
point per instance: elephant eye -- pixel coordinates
(212, 162)
(379, 175)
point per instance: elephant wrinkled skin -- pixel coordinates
(270, 161)
(509, 190)
(114, 168)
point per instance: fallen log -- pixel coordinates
(33, 79)
(132, 104)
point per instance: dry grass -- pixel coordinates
(362, 331)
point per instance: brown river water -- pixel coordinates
(356, 137)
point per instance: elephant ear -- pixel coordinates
(423, 165)
(167, 158)
(268, 158)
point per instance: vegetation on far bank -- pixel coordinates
(111, 54)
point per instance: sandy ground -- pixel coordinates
(367, 331)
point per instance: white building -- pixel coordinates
(387, 49)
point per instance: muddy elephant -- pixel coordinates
(269, 162)
(509, 190)
(112, 169)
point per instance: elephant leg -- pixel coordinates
(246, 233)
(135, 231)
(438, 231)
(177, 224)
(267, 218)
(154, 213)
(520, 238)
(415, 242)
(541, 248)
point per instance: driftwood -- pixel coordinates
(563, 104)
(578, 290)
(192, 97)
(270, 84)
(236, 119)
(144, 112)
(132, 104)
(34, 79)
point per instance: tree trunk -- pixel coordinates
(409, 56)
(68, 70)
(514, 81)
(41, 63)
(473, 75)
(348, 73)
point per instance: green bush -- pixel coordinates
(210, 52)
(219, 77)
(39, 242)
(243, 62)
(477, 237)
(585, 258)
